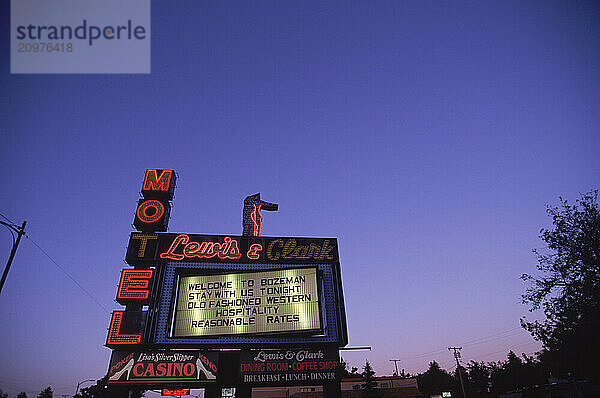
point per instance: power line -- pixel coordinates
(8, 219)
(514, 346)
(493, 339)
(426, 353)
(447, 365)
(69, 276)
(450, 364)
(479, 340)
(492, 336)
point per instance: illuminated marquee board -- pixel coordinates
(285, 300)
(189, 263)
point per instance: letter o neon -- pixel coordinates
(189, 369)
(158, 207)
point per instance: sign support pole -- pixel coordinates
(332, 390)
(212, 391)
(243, 391)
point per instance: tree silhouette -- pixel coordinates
(516, 372)
(343, 368)
(404, 375)
(46, 393)
(479, 376)
(567, 288)
(435, 379)
(369, 384)
(102, 390)
(368, 376)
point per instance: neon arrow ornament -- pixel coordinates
(251, 216)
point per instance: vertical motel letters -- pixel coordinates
(115, 337)
(151, 215)
(134, 286)
(154, 182)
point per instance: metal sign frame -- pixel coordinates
(332, 316)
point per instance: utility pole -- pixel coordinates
(457, 357)
(396, 365)
(80, 383)
(20, 232)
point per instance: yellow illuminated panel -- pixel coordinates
(258, 302)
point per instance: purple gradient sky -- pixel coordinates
(426, 136)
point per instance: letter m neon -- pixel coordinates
(153, 181)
